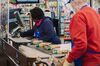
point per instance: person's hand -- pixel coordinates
(66, 63)
(62, 62)
(59, 62)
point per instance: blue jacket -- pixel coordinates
(45, 31)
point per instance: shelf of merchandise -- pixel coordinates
(50, 6)
(56, 7)
(64, 22)
(67, 35)
(65, 29)
(64, 18)
(64, 26)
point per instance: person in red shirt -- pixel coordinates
(85, 34)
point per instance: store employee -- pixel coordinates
(85, 34)
(43, 29)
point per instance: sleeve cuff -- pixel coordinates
(69, 59)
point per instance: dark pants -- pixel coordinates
(78, 62)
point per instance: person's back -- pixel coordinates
(85, 34)
(47, 32)
(93, 28)
(89, 20)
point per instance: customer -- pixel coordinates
(85, 34)
(43, 29)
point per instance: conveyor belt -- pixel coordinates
(47, 51)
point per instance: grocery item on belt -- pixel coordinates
(35, 41)
(55, 46)
(44, 44)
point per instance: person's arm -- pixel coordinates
(79, 37)
(28, 33)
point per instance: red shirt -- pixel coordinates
(39, 22)
(85, 33)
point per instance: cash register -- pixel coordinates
(15, 32)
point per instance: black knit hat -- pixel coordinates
(37, 13)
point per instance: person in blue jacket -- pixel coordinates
(43, 28)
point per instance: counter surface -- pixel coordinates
(20, 40)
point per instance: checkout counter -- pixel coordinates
(28, 53)
(24, 52)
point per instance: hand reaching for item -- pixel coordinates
(63, 62)
(66, 63)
